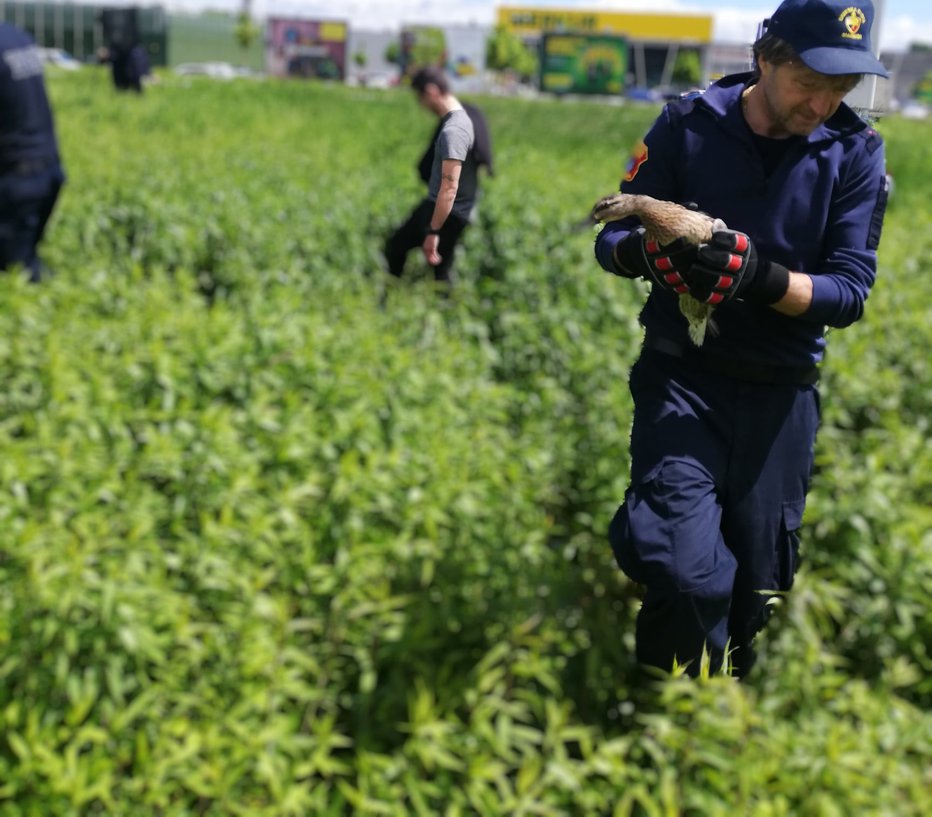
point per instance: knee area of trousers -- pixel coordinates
(619, 537)
(639, 557)
(666, 535)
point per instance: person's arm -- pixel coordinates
(729, 265)
(798, 297)
(449, 184)
(848, 269)
(836, 296)
(650, 172)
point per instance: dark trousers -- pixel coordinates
(710, 523)
(412, 233)
(126, 80)
(27, 198)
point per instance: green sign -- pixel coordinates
(583, 64)
(923, 89)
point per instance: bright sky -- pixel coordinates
(904, 21)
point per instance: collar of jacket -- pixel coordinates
(723, 100)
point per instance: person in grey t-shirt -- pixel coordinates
(437, 223)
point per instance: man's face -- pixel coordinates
(428, 97)
(797, 99)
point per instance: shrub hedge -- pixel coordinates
(280, 539)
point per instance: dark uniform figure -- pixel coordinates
(31, 175)
(723, 435)
(129, 63)
(459, 146)
(129, 66)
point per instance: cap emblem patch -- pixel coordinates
(853, 18)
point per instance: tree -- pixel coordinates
(418, 47)
(429, 47)
(246, 31)
(504, 51)
(687, 70)
(923, 89)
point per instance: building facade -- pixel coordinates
(655, 41)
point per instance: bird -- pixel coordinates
(665, 222)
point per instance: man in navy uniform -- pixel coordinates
(31, 175)
(723, 434)
(129, 66)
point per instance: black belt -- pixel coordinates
(25, 167)
(746, 370)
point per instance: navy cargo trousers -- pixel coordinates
(710, 521)
(27, 197)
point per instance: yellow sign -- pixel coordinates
(527, 21)
(335, 32)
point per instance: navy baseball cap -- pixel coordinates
(830, 37)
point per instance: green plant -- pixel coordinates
(273, 547)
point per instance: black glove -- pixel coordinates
(664, 264)
(728, 266)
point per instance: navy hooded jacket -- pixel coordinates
(27, 132)
(819, 211)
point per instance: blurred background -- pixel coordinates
(640, 51)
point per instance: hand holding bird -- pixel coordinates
(666, 222)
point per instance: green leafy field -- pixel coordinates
(269, 546)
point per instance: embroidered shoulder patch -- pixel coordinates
(638, 157)
(874, 140)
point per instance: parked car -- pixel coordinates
(914, 109)
(217, 70)
(639, 94)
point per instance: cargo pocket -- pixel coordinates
(667, 533)
(788, 558)
(620, 534)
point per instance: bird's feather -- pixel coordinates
(666, 221)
